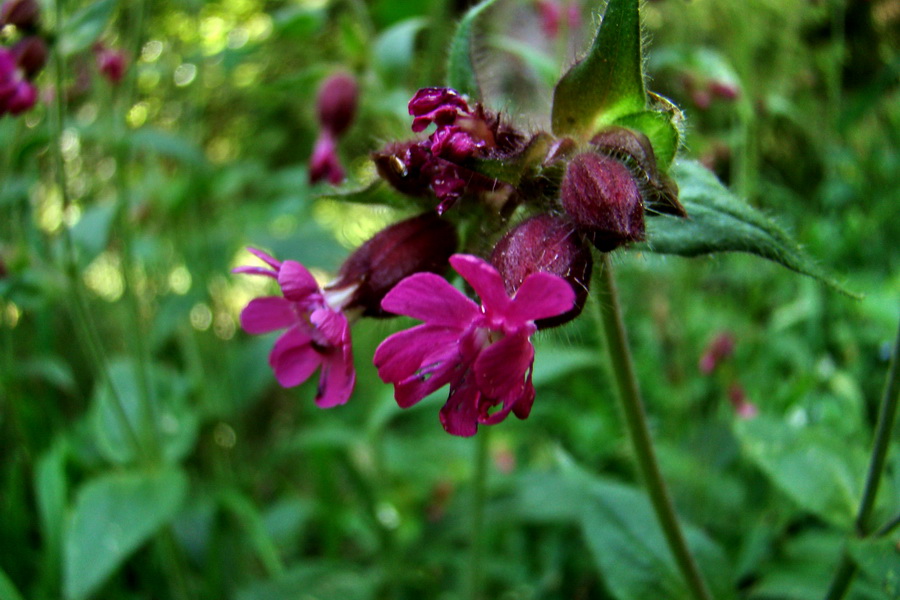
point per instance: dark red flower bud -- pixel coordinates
(719, 349)
(402, 164)
(602, 197)
(24, 14)
(31, 55)
(110, 63)
(324, 163)
(634, 149)
(744, 408)
(420, 244)
(436, 105)
(724, 90)
(336, 103)
(551, 244)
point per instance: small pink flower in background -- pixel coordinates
(484, 353)
(336, 103)
(317, 334)
(324, 164)
(110, 62)
(551, 13)
(719, 349)
(742, 406)
(17, 95)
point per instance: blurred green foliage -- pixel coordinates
(251, 492)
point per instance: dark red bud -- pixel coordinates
(550, 244)
(635, 150)
(420, 244)
(31, 55)
(724, 90)
(24, 14)
(110, 63)
(336, 103)
(602, 197)
(402, 164)
(719, 349)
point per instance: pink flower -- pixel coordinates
(484, 353)
(111, 64)
(318, 333)
(324, 164)
(16, 94)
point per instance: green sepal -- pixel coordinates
(660, 128)
(606, 84)
(510, 169)
(719, 221)
(460, 66)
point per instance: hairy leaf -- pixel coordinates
(113, 515)
(660, 129)
(719, 221)
(460, 66)
(607, 83)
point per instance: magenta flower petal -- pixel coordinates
(541, 295)
(263, 315)
(332, 325)
(459, 415)
(501, 371)
(296, 282)
(336, 381)
(275, 264)
(484, 279)
(255, 271)
(293, 358)
(428, 297)
(402, 354)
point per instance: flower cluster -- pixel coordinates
(536, 276)
(335, 109)
(21, 63)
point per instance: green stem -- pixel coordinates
(78, 303)
(479, 495)
(638, 430)
(887, 415)
(888, 527)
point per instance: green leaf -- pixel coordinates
(8, 591)
(393, 53)
(174, 424)
(819, 473)
(169, 145)
(114, 514)
(660, 129)
(50, 490)
(607, 83)
(628, 546)
(84, 27)
(880, 561)
(363, 185)
(719, 221)
(315, 579)
(512, 168)
(460, 66)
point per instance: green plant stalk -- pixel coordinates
(635, 415)
(479, 495)
(78, 303)
(887, 415)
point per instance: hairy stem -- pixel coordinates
(887, 415)
(636, 422)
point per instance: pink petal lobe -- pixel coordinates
(332, 325)
(484, 279)
(428, 297)
(405, 352)
(296, 282)
(293, 359)
(413, 389)
(255, 271)
(275, 264)
(501, 371)
(459, 415)
(540, 296)
(263, 315)
(337, 380)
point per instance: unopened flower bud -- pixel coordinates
(660, 192)
(545, 243)
(336, 103)
(402, 165)
(24, 14)
(602, 197)
(719, 349)
(111, 64)
(438, 105)
(31, 55)
(420, 244)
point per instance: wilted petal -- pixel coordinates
(540, 296)
(485, 280)
(263, 315)
(459, 415)
(293, 359)
(428, 297)
(296, 282)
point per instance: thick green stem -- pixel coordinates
(887, 415)
(638, 430)
(479, 495)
